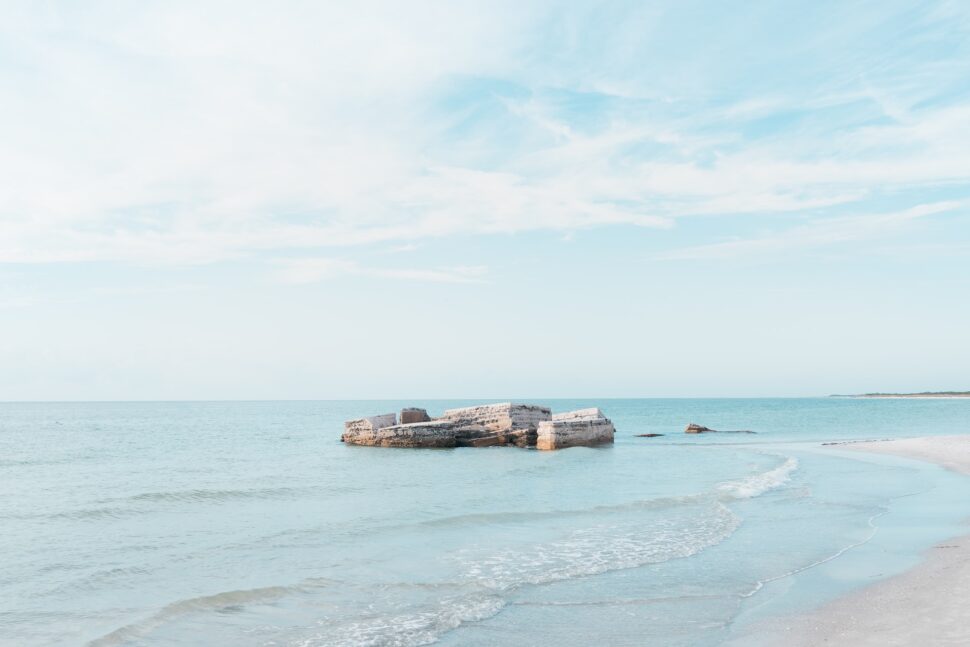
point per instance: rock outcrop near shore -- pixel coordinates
(584, 427)
(696, 429)
(522, 425)
(693, 428)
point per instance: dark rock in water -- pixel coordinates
(483, 440)
(413, 414)
(647, 435)
(697, 429)
(701, 429)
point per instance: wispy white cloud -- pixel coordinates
(313, 270)
(819, 233)
(174, 133)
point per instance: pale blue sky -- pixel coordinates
(494, 199)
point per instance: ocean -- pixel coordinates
(249, 523)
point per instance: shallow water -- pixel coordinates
(249, 523)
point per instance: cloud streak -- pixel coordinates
(138, 136)
(313, 270)
(820, 233)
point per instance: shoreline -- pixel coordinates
(935, 396)
(926, 605)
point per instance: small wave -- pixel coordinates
(204, 495)
(490, 518)
(490, 575)
(224, 601)
(92, 514)
(81, 514)
(618, 602)
(94, 580)
(600, 549)
(175, 496)
(758, 484)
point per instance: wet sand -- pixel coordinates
(928, 605)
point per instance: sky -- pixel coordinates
(305, 200)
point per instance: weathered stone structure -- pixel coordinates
(436, 433)
(523, 425)
(575, 428)
(497, 424)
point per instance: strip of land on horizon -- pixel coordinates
(923, 394)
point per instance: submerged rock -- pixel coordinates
(479, 437)
(700, 429)
(647, 435)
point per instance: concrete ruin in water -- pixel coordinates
(522, 425)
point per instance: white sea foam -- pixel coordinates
(758, 484)
(409, 629)
(490, 575)
(599, 549)
(676, 527)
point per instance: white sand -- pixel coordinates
(924, 607)
(952, 452)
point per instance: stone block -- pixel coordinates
(362, 431)
(512, 423)
(417, 434)
(558, 434)
(593, 413)
(413, 414)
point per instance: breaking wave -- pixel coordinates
(758, 484)
(604, 548)
(410, 629)
(478, 518)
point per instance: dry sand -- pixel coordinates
(924, 607)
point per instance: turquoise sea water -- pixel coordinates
(249, 523)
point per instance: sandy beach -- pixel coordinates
(928, 605)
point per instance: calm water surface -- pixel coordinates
(249, 523)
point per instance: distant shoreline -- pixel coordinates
(925, 394)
